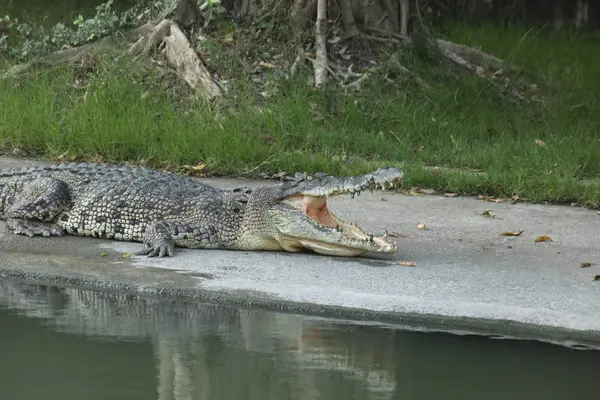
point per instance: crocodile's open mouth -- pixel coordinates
(354, 240)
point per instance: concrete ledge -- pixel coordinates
(467, 277)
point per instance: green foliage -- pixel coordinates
(33, 39)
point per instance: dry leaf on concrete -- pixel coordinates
(396, 235)
(488, 213)
(406, 263)
(512, 233)
(543, 238)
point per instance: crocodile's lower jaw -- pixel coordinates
(354, 238)
(329, 249)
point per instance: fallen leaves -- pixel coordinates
(543, 238)
(589, 264)
(491, 199)
(427, 191)
(126, 255)
(194, 170)
(540, 143)
(228, 39)
(396, 235)
(266, 65)
(488, 213)
(406, 263)
(416, 191)
(514, 199)
(450, 194)
(421, 226)
(512, 233)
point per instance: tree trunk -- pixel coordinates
(581, 14)
(321, 44)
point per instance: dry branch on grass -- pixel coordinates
(470, 58)
(180, 55)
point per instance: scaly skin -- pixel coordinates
(165, 210)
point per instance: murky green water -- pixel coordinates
(73, 344)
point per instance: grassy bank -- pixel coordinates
(459, 122)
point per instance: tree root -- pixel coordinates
(356, 84)
(179, 54)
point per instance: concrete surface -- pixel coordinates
(467, 277)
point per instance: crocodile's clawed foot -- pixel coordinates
(160, 249)
(33, 228)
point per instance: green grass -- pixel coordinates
(458, 122)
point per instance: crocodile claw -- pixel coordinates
(33, 228)
(161, 249)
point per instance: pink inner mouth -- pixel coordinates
(315, 208)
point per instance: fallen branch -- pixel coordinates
(179, 54)
(469, 57)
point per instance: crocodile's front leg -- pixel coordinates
(35, 207)
(161, 238)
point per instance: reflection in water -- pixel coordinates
(203, 351)
(209, 352)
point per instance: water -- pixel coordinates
(64, 343)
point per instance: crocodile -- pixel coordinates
(164, 210)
